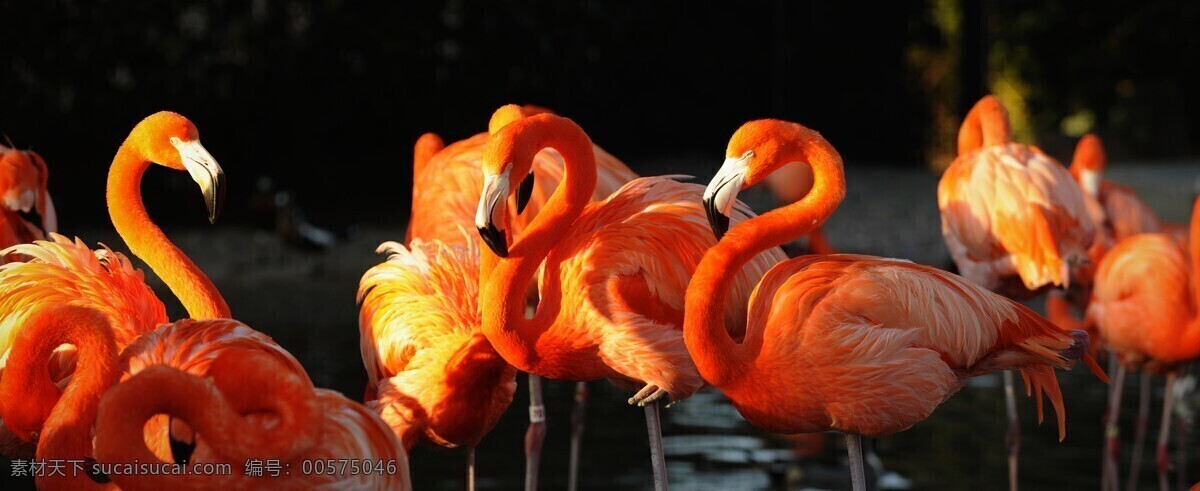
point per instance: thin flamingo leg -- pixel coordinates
(1139, 436)
(1164, 435)
(657, 459)
(471, 469)
(535, 434)
(577, 414)
(1110, 478)
(858, 478)
(1013, 438)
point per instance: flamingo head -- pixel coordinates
(1088, 163)
(27, 405)
(22, 184)
(756, 150)
(508, 166)
(170, 140)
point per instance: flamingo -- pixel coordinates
(61, 425)
(446, 187)
(859, 344)
(433, 376)
(1014, 220)
(251, 408)
(28, 212)
(62, 271)
(1117, 210)
(1144, 303)
(611, 294)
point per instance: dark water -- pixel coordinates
(306, 302)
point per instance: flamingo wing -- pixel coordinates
(886, 341)
(61, 271)
(1127, 214)
(1010, 209)
(422, 345)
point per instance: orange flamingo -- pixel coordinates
(30, 402)
(251, 408)
(611, 295)
(860, 344)
(1120, 213)
(1014, 220)
(433, 376)
(188, 345)
(446, 189)
(1144, 303)
(790, 184)
(28, 212)
(62, 271)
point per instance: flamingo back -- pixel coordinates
(884, 342)
(1012, 210)
(431, 371)
(1140, 301)
(1127, 214)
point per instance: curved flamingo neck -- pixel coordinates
(148, 242)
(985, 125)
(219, 409)
(720, 359)
(66, 431)
(505, 279)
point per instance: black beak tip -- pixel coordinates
(717, 221)
(214, 199)
(524, 192)
(495, 240)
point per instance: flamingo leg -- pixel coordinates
(1164, 434)
(1013, 438)
(1139, 435)
(535, 434)
(657, 459)
(858, 478)
(1109, 478)
(577, 413)
(471, 469)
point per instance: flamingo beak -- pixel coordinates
(493, 209)
(721, 194)
(206, 172)
(524, 192)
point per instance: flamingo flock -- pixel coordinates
(531, 249)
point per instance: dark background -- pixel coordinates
(327, 97)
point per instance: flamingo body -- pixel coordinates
(1141, 300)
(432, 374)
(884, 343)
(1011, 210)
